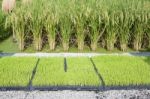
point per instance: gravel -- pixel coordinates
(112, 94)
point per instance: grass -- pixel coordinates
(16, 71)
(124, 70)
(8, 46)
(50, 72)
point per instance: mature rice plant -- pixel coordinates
(66, 30)
(140, 22)
(3, 34)
(10, 22)
(111, 30)
(139, 30)
(18, 20)
(65, 25)
(148, 27)
(50, 24)
(20, 30)
(26, 2)
(116, 22)
(37, 23)
(97, 29)
(124, 25)
(80, 24)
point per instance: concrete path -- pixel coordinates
(72, 54)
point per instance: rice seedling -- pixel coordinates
(51, 71)
(79, 73)
(16, 71)
(123, 70)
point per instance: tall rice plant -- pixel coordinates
(148, 28)
(66, 29)
(66, 24)
(20, 30)
(10, 22)
(97, 29)
(111, 30)
(124, 25)
(80, 24)
(3, 34)
(50, 25)
(37, 23)
(117, 22)
(139, 30)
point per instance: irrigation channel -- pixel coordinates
(101, 87)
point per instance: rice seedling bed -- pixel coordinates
(50, 72)
(117, 72)
(16, 71)
(124, 71)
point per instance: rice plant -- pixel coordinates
(111, 30)
(66, 30)
(20, 31)
(139, 30)
(10, 22)
(65, 26)
(118, 23)
(51, 70)
(148, 28)
(80, 24)
(97, 29)
(16, 71)
(18, 23)
(125, 24)
(37, 23)
(3, 34)
(123, 70)
(50, 25)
